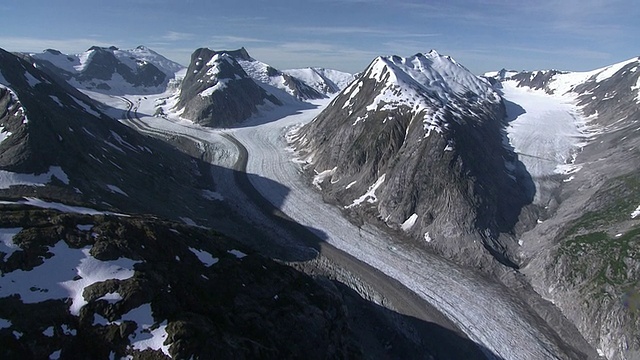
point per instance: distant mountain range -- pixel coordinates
(235, 89)
(530, 177)
(111, 70)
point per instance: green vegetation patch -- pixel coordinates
(618, 199)
(596, 258)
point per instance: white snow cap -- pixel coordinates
(433, 72)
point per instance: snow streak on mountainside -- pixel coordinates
(111, 70)
(416, 142)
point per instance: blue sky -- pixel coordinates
(482, 35)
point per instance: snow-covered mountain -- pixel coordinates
(273, 80)
(325, 81)
(416, 142)
(537, 170)
(582, 250)
(111, 70)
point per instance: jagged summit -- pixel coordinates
(437, 74)
(239, 54)
(216, 91)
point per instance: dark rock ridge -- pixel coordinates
(189, 292)
(110, 70)
(217, 92)
(416, 144)
(204, 297)
(79, 155)
(585, 257)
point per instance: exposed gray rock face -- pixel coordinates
(585, 254)
(535, 80)
(416, 144)
(110, 70)
(217, 92)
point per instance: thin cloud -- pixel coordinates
(177, 36)
(345, 30)
(298, 54)
(236, 39)
(336, 30)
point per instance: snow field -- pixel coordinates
(546, 131)
(8, 179)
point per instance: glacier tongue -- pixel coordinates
(546, 131)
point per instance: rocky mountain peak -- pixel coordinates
(410, 138)
(285, 86)
(240, 54)
(217, 91)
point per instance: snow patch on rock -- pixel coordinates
(408, 224)
(321, 176)
(7, 245)
(205, 258)
(8, 179)
(370, 195)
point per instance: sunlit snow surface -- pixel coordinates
(8, 179)
(54, 279)
(546, 131)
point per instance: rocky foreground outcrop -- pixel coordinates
(188, 292)
(77, 286)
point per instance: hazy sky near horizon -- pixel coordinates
(482, 35)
